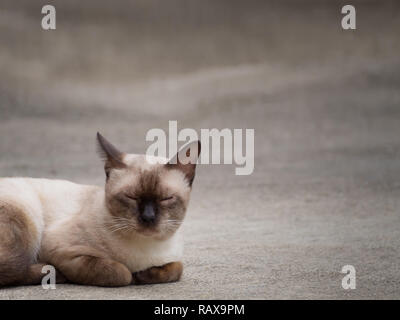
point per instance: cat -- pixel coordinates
(125, 233)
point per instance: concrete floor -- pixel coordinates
(324, 103)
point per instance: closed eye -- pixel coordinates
(167, 198)
(131, 197)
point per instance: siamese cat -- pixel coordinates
(126, 233)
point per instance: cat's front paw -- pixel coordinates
(169, 272)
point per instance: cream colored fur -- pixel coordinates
(55, 208)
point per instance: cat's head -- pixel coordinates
(147, 196)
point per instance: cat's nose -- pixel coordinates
(148, 214)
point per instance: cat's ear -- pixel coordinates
(113, 158)
(185, 160)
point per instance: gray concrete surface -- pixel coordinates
(324, 103)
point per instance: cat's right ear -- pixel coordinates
(113, 158)
(185, 160)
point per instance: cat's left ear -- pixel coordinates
(113, 158)
(186, 159)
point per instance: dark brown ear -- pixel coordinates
(185, 160)
(111, 155)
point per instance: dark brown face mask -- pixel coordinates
(142, 194)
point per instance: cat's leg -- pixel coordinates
(19, 239)
(169, 272)
(83, 265)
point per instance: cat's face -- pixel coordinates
(143, 198)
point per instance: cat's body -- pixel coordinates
(55, 207)
(93, 235)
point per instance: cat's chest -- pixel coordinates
(142, 254)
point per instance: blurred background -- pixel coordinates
(324, 103)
